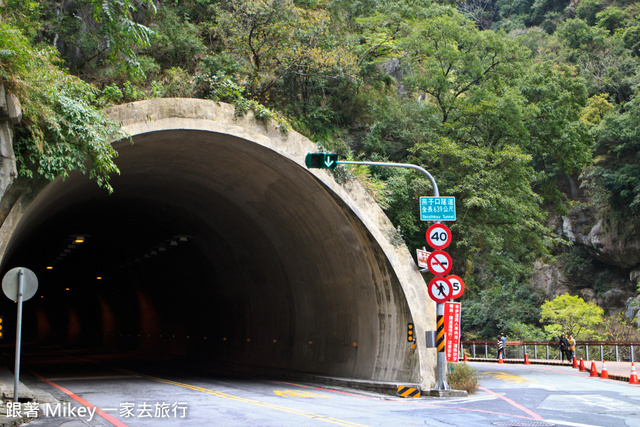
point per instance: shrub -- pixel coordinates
(461, 376)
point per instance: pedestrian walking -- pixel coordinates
(501, 344)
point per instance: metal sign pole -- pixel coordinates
(16, 380)
(441, 369)
(19, 284)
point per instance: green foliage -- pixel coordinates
(631, 39)
(597, 107)
(556, 97)
(588, 9)
(500, 120)
(279, 38)
(176, 42)
(525, 332)
(611, 18)
(221, 88)
(92, 32)
(577, 34)
(618, 328)
(500, 306)
(617, 175)
(61, 130)
(568, 314)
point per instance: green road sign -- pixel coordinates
(321, 160)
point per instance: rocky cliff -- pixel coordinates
(10, 114)
(601, 261)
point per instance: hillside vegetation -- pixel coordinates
(523, 110)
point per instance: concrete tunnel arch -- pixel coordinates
(293, 270)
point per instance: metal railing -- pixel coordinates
(627, 351)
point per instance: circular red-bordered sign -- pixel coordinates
(438, 236)
(439, 263)
(439, 289)
(457, 286)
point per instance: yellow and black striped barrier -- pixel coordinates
(440, 334)
(408, 391)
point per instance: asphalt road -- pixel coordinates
(100, 392)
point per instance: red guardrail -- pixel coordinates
(604, 350)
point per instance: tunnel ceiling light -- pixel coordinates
(79, 239)
(67, 289)
(99, 278)
(183, 238)
(49, 267)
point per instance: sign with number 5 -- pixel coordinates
(457, 286)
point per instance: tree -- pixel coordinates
(62, 130)
(280, 38)
(617, 173)
(568, 314)
(453, 64)
(558, 141)
(92, 33)
(605, 61)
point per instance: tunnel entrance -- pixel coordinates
(218, 242)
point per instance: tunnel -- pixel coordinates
(219, 242)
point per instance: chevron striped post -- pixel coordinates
(404, 391)
(440, 334)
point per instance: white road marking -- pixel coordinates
(568, 423)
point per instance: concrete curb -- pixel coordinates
(25, 394)
(6, 390)
(382, 387)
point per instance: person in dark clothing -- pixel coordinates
(564, 348)
(500, 346)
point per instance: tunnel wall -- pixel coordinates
(343, 290)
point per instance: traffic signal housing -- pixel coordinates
(410, 332)
(321, 160)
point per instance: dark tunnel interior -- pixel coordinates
(210, 247)
(119, 256)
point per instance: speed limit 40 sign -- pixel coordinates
(438, 236)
